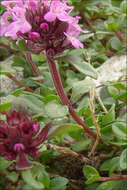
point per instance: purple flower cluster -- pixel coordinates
(43, 24)
(19, 137)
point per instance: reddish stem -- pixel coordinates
(32, 65)
(5, 46)
(110, 53)
(120, 36)
(8, 47)
(118, 177)
(85, 19)
(18, 82)
(63, 97)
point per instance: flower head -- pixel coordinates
(19, 137)
(43, 25)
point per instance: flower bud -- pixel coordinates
(44, 27)
(18, 147)
(34, 35)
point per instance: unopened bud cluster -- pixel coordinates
(19, 138)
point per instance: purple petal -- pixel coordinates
(50, 17)
(77, 44)
(63, 17)
(42, 136)
(22, 162)
(22, 26)
(74, 41)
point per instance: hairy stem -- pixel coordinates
(58, 85)
(18, 82)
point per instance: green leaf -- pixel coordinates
(59, 183)
(71, 78)
(89, 171)
(120, 185)
(17, 92)
(121, 20)
(120, 130)
(4, 163)
(20, 61)
(107, 133)
(56, 110)
(81, 145)
(112, 26)
(110, 116)
(123, 6)
(5, 106)
(82, 66)
(44, 178)
(27, 187)
(13, 46)
(108, 185)
(116, 43)
(105, 165)
(123, 160)
(34, 103)
(91, 174)
(81, 87)
(65, 128)
(5, 70)
(113, 165)
(123, 96)
(113, 92)
(30, 180)
(92, 179)
(12, 176)
(92, 186)
(22, 45)
(85, 36)
(50, 98)
(38, 58)
(48, 82)
(118, 143)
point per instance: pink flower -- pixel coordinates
(44, 25)
(57, 10)
(74, 41)
(73, 22)
(72, 35)
(12, 3)
(20, 3)
(17, 22)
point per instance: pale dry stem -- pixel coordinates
(92, 109)
(66, 152)
(100, 102)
